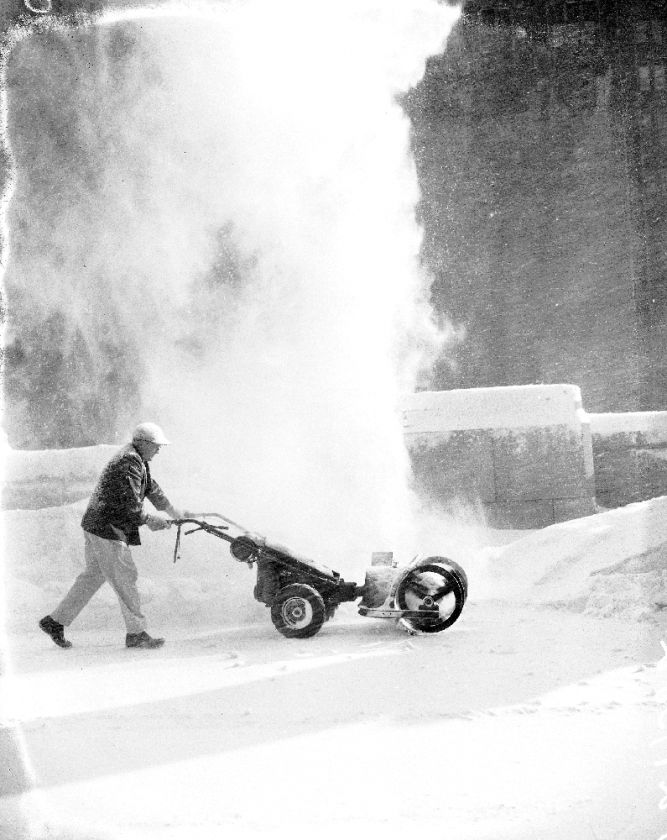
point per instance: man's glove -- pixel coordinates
(157, 523)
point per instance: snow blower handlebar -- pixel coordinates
(197, 517)
(199, 520)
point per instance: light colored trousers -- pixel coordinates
(111, 561)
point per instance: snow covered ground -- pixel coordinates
(540, 713)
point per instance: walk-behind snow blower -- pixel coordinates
(425, 597)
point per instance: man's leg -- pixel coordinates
(83, 588)
(115, 561)
(119, 569)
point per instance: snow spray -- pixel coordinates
(214, 215)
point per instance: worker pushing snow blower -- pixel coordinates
(426, 596)
(111, 525)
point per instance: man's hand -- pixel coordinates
(157, 523)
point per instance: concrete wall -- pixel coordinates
(630, 456)
(523, 452)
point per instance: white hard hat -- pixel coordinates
(150, 432)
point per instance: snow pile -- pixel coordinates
(609, 564)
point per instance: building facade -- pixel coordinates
(540, 136)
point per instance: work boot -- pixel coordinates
(55, 630)
(142, 640)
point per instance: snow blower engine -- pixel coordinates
(426, 596)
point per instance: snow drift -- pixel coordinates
(612, 563)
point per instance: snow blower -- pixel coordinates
(426, 596)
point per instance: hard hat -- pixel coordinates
(150, 432)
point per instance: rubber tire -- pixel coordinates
(454, 566)
(284, 614)
(429, 625)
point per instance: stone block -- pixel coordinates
(541, 464)
(520, 514)
(456, 465)
(565, 509)
(623, 476)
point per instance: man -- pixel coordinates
(111, 525)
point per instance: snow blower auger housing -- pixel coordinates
(426, 596)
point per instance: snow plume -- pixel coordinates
(213, 227)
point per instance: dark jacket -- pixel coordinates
(115, 509)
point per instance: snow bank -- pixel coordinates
(610, 564)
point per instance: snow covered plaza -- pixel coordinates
(390, 275)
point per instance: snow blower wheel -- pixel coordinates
(432, 585)
(454, 567)
(298, 611)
